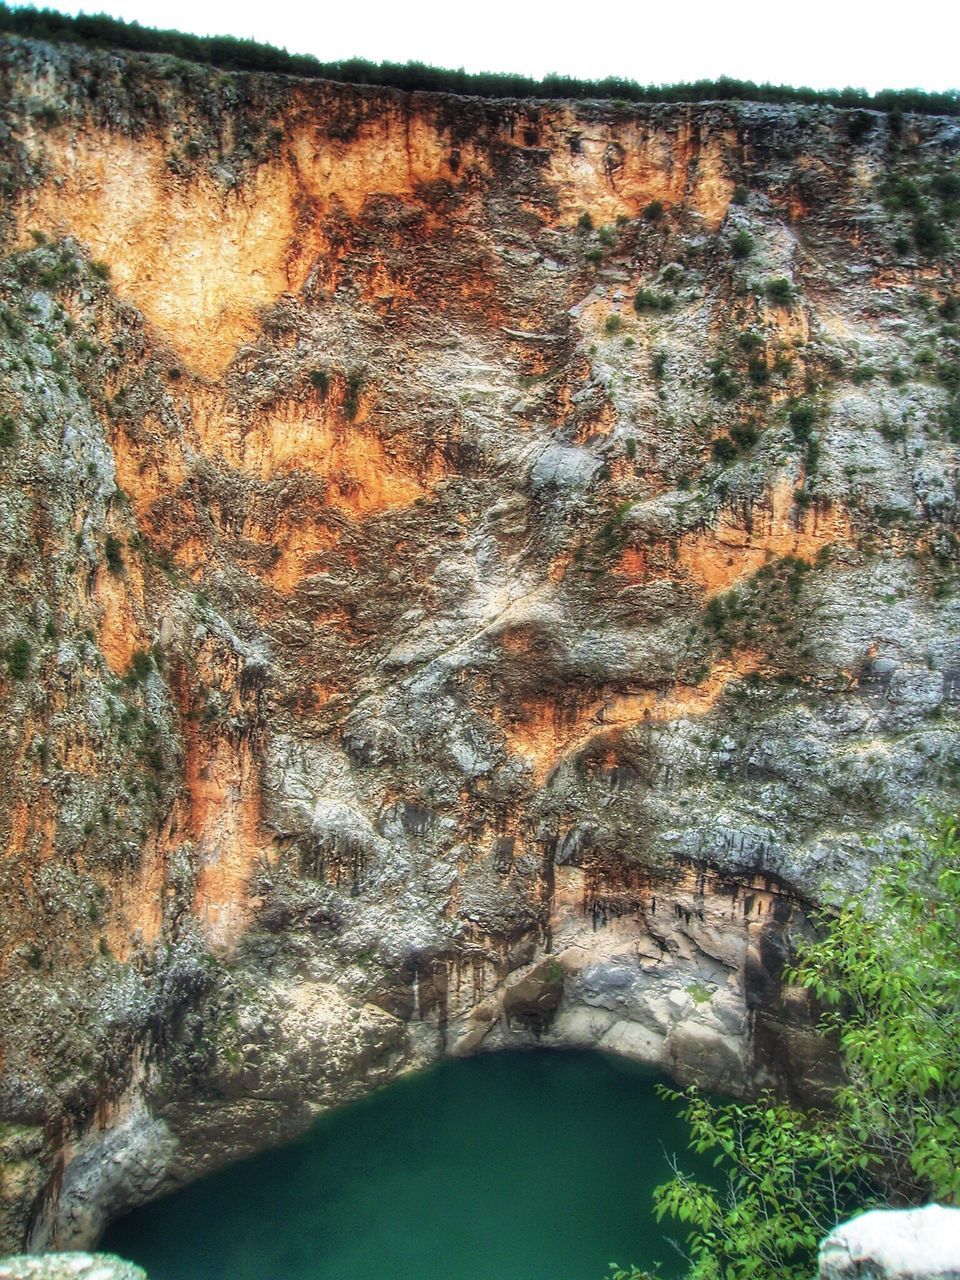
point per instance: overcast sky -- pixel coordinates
(822, 43)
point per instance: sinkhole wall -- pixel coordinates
(474, 574)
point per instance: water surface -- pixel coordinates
(510, 1166)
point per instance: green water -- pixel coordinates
(511, 1166)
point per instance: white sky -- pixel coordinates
(821, 43)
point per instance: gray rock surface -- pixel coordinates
(895, 1244)
(69, 1266)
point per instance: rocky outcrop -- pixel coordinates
(895, 1244)
(474, 573)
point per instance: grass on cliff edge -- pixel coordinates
(235, 54)
(885, 968)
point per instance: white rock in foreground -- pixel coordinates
(895, 1244)
(68, 1266)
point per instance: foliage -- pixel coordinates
(921, 197)
(802, 417)
(724, 450)
(946, 185)
(889, 974)
(886, 969)
(758, 371)
(741, 246)
(929, 235)
(351, 396)
(612, 537)
(722, 382)
(779, 291)
(113, 553)
(18, 658)
(649, 300)
(745, 434)
(249, 55)
(141, 664)
(859, 125)
(788, 1181)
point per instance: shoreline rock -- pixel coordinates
(895, 1244)
(69, 1266)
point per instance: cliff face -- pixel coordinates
(473, 573)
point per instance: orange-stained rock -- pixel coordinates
(120, 597)
(736, 548)
(196, 259)
(545, 733)
(315, 437)
(223, 786)
(136, 908)
(632, 564)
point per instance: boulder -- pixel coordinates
(68, 1266)
(895, 1244)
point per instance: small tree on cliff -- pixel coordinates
(887, 972)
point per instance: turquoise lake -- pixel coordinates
(510, 1166)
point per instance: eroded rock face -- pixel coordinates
(414, 645)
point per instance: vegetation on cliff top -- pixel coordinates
(249, 55)
(887, 973)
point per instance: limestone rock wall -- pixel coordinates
(473, 574)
